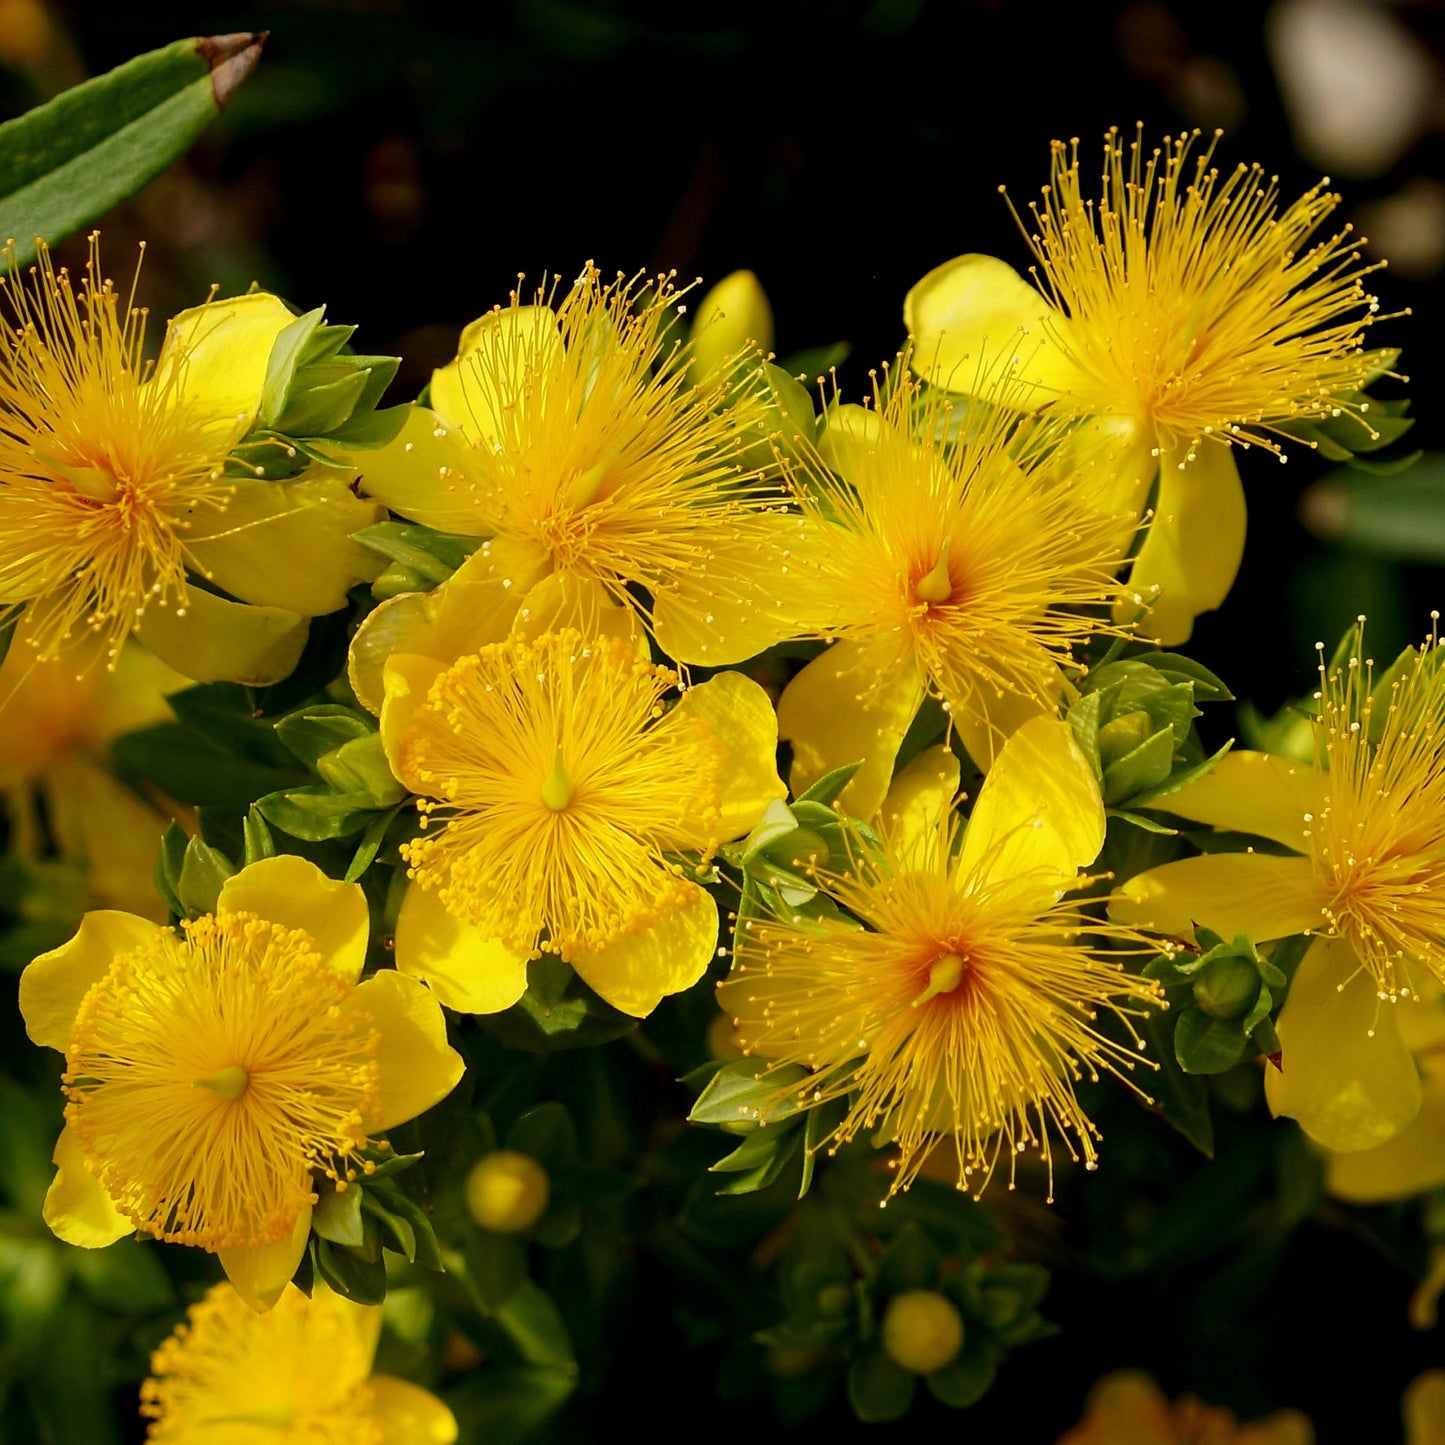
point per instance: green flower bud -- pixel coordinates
(1119, 738)
(398, 578)
(798, 850)
(922, 1331)
(507, 1192)
(360, 766)
(1227, 987)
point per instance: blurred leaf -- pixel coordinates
(878, 1389)
(505, 1404)
(68, 161)
(532, 1323)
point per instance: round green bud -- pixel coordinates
(1227, 987)
(922, 1331)
(507, 1192)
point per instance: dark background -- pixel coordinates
(402, 165)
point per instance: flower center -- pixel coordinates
(210, 1074)
(944, 975)
(936, 585)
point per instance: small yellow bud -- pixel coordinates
(507, 1192)
(228, 1083)
(922, 1331)
(733, 313)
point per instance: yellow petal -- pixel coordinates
(638, 971)
(852, 703)
(1114, 462)
(732, 314)
(261, 1272)
(409, 1415)
(1284, 1427)
(135, 693)
(1345, 1074)
(974, 316)
(1125, 1408)
(216, 355)
(467, 972)
(741, 719)
(918, 806)
(1424, 1409)
(54, 983)
(564, 599)
(985, 719)
(503, 360)
(421, 473)
(407, 680)
(77, 1209)
(418, 1067)
(476, 606)
(1194, 544)
(287, 544)
(868, 453)
(116, 834)
(1255, 893)
(221, 641)
(1410, 1163)
(295, 893)
(1039, 817)
(1255, 793)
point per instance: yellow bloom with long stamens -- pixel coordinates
(214, 1072)
(1188, 314)
(300, 1374)
(115, 493)
(567, 809)
(970, 570)
(1366, 877)
(965, 1008)
(571, 439)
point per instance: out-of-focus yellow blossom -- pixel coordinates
(114, 495)
(300, 1375)
(967, 570)
(1424, 1409)
(1187, 314)
(556, 788)
(1366, 878)
(1128, 1408)
(963, 1010)
(572, 440)
(211, 1071)
(54, 728)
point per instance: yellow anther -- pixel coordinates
(944, 975)
(228, 1083)
(557, 788)
(937, 585)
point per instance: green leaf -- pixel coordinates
(203, 870)
(911, 1261)
(258, 840)
(535, 1327)
(349, 1272)
(337, 1216)
(547, 1134)
(1146, 767)
(545, 1021)
(968, 1379)
(740, 1090)
(827, 788)
(1205, 1045)
(508, 1404)
(320, 728)
(496, 1266)
(878, 1389)
(316, 813)
(182, 763)
(1180, 1097)
(371, 840)
(68, 161)
(1180, 779)
(169, 863)
(432, 556)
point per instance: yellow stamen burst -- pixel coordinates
(297, 1373)
(1379, 839)
(981, 555)
(100, 462)
(599, 452)
(562, 789)
(209, 1075)
(1194, 304)
(962, 1013)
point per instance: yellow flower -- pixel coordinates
(964, 570)
(1188, 314)
(54, 730)
(114, 492)
(1128, 1408)
(572, 439)
(965, 1009)
(210, 1072)
(300, 1375)
(732, 317)
(1366, 877)
(565, 794)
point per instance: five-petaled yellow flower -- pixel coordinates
(966, 569)
(567, 809)
(1187, 314)
(212, 1071)
(115, 492)
(572, 440)
(965, 1008)
(299, 1374)
(1365, 876)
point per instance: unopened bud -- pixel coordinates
(734, 313)
(507, 1192)
(1227, 987)
(922, 1331)
(360, 766)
